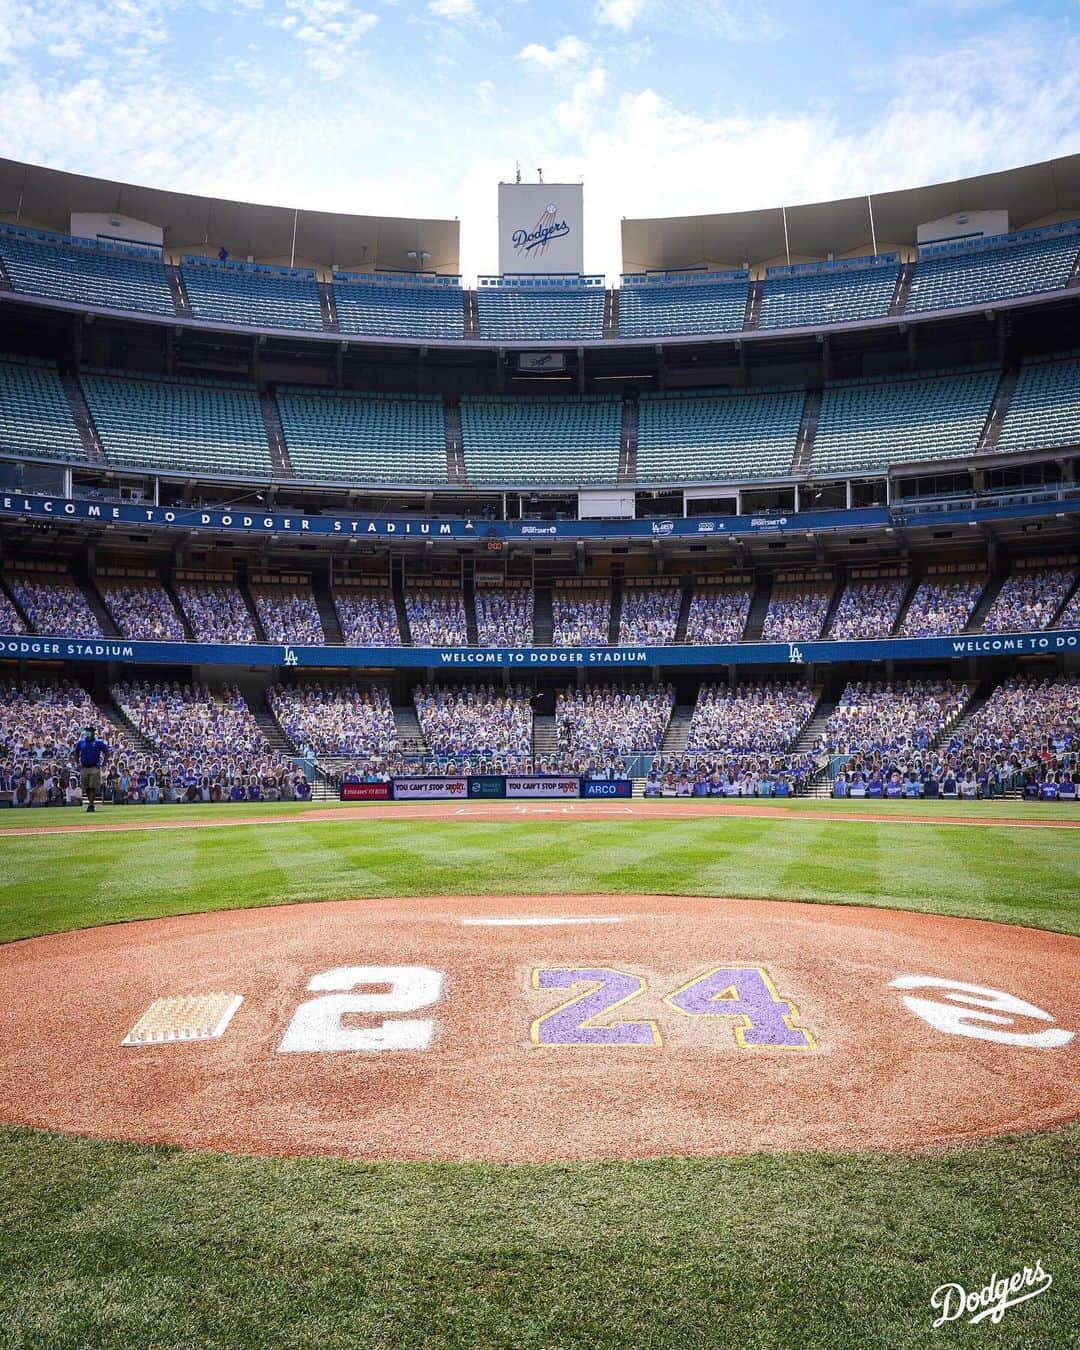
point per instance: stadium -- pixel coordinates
(586, 850)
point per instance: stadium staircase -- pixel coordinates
(684, 610)
(275, 436)
(118, 719)
(271, 729)
(677, 733)
(180, 298)
(328, 306)
(834, 605)
(410, 737)
(611, 312)
(97, 605)
(5, 280)
(471, 313)
(759, 607)
(804, 445)
(819, 783)
(88, 435)
(999, 409)
(455, 452)
(617, 589)
(397, 587)
(628, 446)
(468, 591)
(1074, 276)
(898, 303)
(545, 742)
(168, 588)
(982, 608)
(328, 617)
(905, 605)
(10, 594)
(543, 592)
(752, 313)
(253, 613)
(1064, 605)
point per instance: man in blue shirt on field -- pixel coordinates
(89, 752)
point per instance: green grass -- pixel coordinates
(114, 1245)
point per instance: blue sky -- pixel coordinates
(419, 107)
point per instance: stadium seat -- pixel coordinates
(35, 417)
(972, 272)
(719, 435)
(252, 294)
(823, 293)
(159, 422)
(85, 272)
(380, 306)
(364, 438)
(668, 304)
(558, 440)
(530, 309)
(1045, 406)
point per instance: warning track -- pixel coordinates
(153, 818)
(864, 1071)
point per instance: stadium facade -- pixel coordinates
(842, 438)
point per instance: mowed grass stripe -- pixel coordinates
(141, 1246)
(52, 884)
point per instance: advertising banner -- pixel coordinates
(552, 788)
(430, 789)
(487, 785)
(365, 792)
(607, 787)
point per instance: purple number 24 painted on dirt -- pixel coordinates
(565, 1025)
(748, 994)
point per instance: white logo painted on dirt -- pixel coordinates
(961, 1015)
(952, 1301)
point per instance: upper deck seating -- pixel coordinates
(719, 435)
(556, 440)
(870, 424)
(1045, 406)
(364, 438)
(161, 422)
(85, 272)
(252, 294)
(972, 272)
(35, 418)
(824, 293)
(673, 303)
(534, 309)
(380, 306)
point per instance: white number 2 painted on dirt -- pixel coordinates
(978, 1012)
(317, 1027)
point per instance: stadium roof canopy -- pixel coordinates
(45, 199)
(1036, 194)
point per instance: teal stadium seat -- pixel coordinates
(559, 441)
(1045, 406)
(159, 422)
(539, 309)
(718, 436)
(364, 438)
(866, 425)
(824, 293)
(35, 417)
(973, 272)
(252, 294)
(381, 306)
(85, 272)
(667, 304)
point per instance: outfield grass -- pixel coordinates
(113, 1245)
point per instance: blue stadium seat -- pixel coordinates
(871, 423)
(158, 422)
(1045, 406)
(533, 441)
(85, 272)
(538, 309)
(35, 417)
(364, 438)
(252, 294)
(718, 435)
(823, 293)
(670, 303)
(399, 306)
(972, 272)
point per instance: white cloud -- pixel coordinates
(740, 22)
(620, 14)
(329, 31)
(452, 9)
(568, 51)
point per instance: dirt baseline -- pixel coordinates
(154, 818)
(533, 1029)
